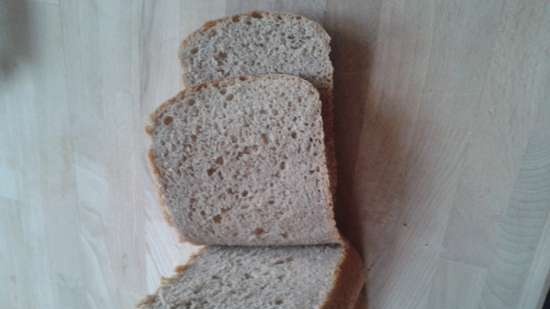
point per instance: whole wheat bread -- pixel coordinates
(299, 277)
(257, 43)
(242, 162)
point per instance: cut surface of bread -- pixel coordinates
(257, 43)
(242, 162)
(301, 277)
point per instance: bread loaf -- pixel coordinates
(245, 157)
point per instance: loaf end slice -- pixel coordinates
(316, 277)
(242, 162)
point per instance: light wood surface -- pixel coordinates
(443, 136)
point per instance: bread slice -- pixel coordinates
(301, 277)
(242, 162)
(258, 43)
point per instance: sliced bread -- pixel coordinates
(299, 277)
(257, 43)
(242, 162)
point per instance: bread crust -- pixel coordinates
(330, 148)
(180, 270)
(348, 280)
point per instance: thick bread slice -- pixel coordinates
(258, 43)
(301, 277)
(242, 162)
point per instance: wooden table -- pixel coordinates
(443, 135)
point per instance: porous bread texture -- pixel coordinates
(257, 43)
(242, 162)
(312, 277)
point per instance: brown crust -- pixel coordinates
(330, 149)
(180, 270)
(146, 302)
(328, 126)
(168, 216)
(348, 280)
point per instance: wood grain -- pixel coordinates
(442, 130)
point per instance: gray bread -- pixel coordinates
(258, 43)
(242, 162)
(300, 277)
